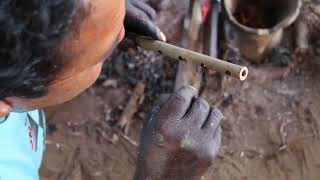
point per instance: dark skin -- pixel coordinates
(139, 19)
(180, 140)
(182, 136)
(86, 46)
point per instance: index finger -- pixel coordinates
(178, 104)
(145, 8)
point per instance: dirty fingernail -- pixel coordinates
(194, 89)
(163, 37)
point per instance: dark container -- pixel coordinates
(256, 26)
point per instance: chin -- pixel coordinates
(80, 83)
(60, 92)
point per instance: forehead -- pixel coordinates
(92, 36)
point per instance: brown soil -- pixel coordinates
(270, 131)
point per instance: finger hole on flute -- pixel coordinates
(182, 59)
(243, 73)
(228, 73)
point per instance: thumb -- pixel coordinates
(162, 99)
(156, 109)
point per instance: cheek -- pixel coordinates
(96, 71)
(59, 92)
(70, 88)
(73, 86)
(83, 81)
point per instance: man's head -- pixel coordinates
(51, 50)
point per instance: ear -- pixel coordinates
(4, 108)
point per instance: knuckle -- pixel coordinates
(216, 113)
(153, 13)
(217, 134)
(162, 130)
(203, 103)
(209, 154)
(169, 133)
(180, 98)
(165, 128)
(212, 155)
(135, 1)
(214, 149)
(158, 138)
(142, 16)
(189, 89)
(184, 94)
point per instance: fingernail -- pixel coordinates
(217, 112)
(163, 37)
(193, 89)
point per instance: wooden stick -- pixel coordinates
(189, 74)
(132, 107)
(240, 72)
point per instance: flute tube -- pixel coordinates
(237, 71)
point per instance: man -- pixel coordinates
(52, 50)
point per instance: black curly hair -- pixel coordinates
(30, 32)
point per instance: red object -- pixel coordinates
(205, 8)
(31, 138)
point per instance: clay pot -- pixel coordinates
(256, 26)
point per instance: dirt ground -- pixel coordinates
(271, 128)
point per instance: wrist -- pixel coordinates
(144, 172)
(140, 175)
